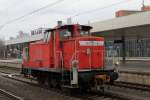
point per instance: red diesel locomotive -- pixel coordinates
(68, 56)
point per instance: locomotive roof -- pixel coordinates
(85, 27)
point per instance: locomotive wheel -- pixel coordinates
(52, 83)
(41, 80)
(49, 83)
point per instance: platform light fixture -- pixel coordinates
(143, 5)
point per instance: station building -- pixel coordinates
(128, 34)
(14, 46)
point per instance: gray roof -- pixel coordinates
(138, 19)
(25, 39)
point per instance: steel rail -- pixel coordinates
(10, 95)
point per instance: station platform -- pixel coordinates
(135, 72)
(132, 64)
(11, 60)
(144, 59)
(14, 63)
(138, 66)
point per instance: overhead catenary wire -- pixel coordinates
(55, 3)
(99, 8)
(31, 13)
(96, 9)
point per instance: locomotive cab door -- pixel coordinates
(67, 45)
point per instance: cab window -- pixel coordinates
(47, 36)
(26, 53)
(84, 33)
(65, 34)
(84, 30)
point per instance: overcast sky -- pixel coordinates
(82, 11)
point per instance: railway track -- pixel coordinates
(10, 95)
(8, 70)
(69, 95)
(118, 91)
(132, 86)
(130, 91)
(96, 95)
(30, 83)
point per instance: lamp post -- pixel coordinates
(143, 5)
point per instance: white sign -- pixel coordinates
(91, 43)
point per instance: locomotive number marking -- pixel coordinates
(91, 43)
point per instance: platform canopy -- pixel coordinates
(25, 39)
(135, 25)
